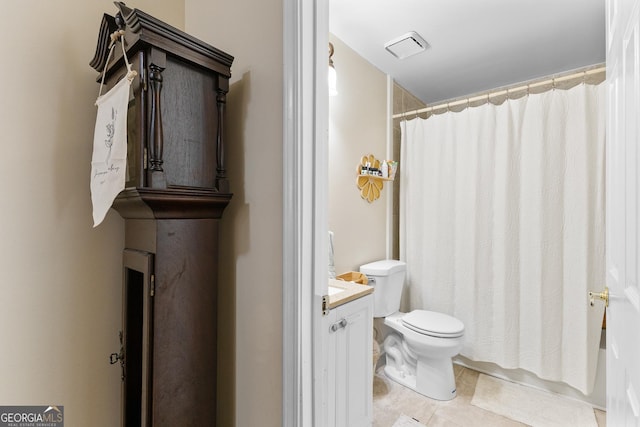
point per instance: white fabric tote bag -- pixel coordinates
(109, 160)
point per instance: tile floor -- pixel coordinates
(390, 400)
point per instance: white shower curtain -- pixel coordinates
(502, 226)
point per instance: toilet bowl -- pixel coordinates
(419, 349)
(425, 364)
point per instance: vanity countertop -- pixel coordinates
(351, 291)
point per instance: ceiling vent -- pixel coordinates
(407, 45)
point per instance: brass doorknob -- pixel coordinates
(604, 296)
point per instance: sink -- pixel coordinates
(334, 290)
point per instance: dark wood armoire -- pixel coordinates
(176, 191)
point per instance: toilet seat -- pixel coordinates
(433, 324)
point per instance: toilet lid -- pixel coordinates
(433, 323)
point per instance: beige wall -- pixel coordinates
(357, 126)
(60, 279)
(250, 307)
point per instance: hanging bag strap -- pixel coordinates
(115, 36)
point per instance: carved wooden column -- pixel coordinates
(155, 173)
(221, 99)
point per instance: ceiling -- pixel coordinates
(476, 45)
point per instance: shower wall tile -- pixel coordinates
(403, 101)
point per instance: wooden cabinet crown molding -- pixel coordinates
(143, 29)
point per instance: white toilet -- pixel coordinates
(419, 350)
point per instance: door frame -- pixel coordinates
(305, 185)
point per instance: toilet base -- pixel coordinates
(401, 377)
(433, 378)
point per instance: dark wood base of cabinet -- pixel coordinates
(182, 348)
(185, 323)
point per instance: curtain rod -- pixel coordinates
(516, 88)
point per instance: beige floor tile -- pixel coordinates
(460, 412)
(386, 392)
(391, 396)
(384, 417)
(469, 416)
(391, 400)
(457, 370)
(465, 388)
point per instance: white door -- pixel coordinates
(622, 188)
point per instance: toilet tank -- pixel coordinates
(387, 278)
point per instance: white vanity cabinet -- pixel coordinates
(350, 363)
